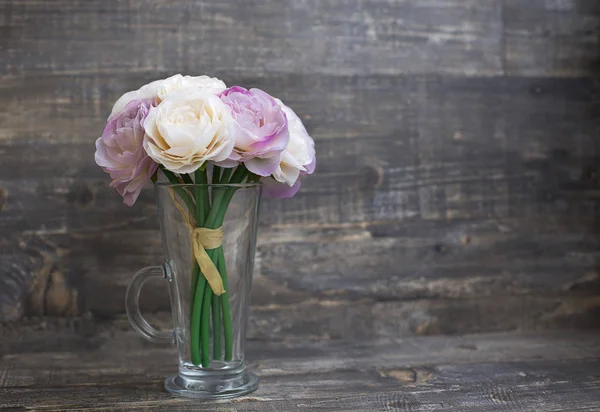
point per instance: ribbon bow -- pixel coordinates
(203, 238)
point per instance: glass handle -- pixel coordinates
(133, 308)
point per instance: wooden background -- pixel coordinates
(458, 179)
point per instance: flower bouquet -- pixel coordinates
(216, 148)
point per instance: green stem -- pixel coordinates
(216, 300)
(224, 198)
(198, 283)
(238, 177)
(202, 206)
(185, 196)
(226, 175)
(205, 327)
(216, 318)
(202, 201)
(216, 175)
(203, 298)
(195, 276)
(170, 175)
(195, 320)
(227, 328)
(200, 216)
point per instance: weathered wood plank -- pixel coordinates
(477, 372)
(96, 342)
(146, 395)
(559, 36)
(472, 37)
(278, 313)
(365, 282)
(414, 114)
(336, 36)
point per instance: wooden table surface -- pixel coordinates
(83, 365)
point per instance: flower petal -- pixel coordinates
(272, 188)
(262, 166)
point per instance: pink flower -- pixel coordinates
(273, 188)
(120, 153)
(298, 159)
(261, 130)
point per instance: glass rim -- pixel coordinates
(184, 185)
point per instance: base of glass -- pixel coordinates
(212, 385)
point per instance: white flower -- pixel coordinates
(159, 89)
(187, 129)
(299, 156)
(147, 91)
(179, 82)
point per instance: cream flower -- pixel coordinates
(189, 128)
(178, 82)
(159, 89)
(299, 156)
(146, 92)
(297, 159)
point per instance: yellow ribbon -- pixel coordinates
(203, 238)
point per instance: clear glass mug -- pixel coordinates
(226, 375)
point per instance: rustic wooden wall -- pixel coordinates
(457, 188)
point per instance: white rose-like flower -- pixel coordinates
(147, 91)
(178, 82)
(299, 156)
(159, 89)
(189, 128)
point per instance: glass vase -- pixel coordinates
(209, 329)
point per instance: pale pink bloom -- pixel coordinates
(120, 153)
(261, 130)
